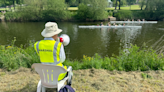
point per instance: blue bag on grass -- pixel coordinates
(66, 88)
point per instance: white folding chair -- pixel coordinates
(49, 76)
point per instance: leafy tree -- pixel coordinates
(119, 4)
(130, 2)
(10, 2)
(72, 2)
(92, 9)
(154, 9)
(2, 2)
(115, 3)
(45, 9)
(159, 5)
(142, 3)
(123, 2)
(152, 5)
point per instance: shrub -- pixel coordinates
(138, 14)
(110, 13)
(12, 57)
(51, 15)
(10, 16)
(135, 58)
(82, 11)
(37, 10)
(92, 10)
(123, 14)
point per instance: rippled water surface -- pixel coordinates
(85, 41)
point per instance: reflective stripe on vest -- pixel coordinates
(49, 51)
(37, 47)
(55, 55)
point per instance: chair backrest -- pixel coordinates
(48, 74)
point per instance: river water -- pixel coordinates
(85, 41)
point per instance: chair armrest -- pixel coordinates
(69, 68)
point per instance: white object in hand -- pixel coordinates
(66, 39)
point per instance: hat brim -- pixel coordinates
(44, 34)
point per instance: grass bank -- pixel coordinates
(88, 80)
(137, 69)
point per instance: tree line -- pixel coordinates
(52, 10)
(148, 4)
(74, 3)
(36, 10)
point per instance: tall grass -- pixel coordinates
(134, 58)
(12, 57)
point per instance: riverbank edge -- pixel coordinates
(2, 19)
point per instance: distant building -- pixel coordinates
(110, 3)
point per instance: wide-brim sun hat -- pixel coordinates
(51, 29)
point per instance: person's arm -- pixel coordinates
(62, 54)
(35, 47)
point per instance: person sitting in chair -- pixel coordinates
(51, 50)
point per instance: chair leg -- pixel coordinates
(39, 86)
(43, 89)
(70, 74)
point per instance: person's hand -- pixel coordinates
(58, 39)
(61, 39)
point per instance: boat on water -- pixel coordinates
(133, 21)
(93, 26)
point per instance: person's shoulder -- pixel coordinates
(37, 42)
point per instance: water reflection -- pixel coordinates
(105, 41)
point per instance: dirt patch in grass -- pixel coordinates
(88, 80)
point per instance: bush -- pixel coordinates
(1, 14)
(51, 15)
(12, 57)
(138, 14)
(82, 11)
(110, 13)
(123, 14)
(46, 15)
(37, 10)
(134, 58)
(11, 16)
(92, 10)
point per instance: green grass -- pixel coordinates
(2, 9)
(12, 57)
(133, 7)
(73, 8)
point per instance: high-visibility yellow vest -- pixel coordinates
(49, 53)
